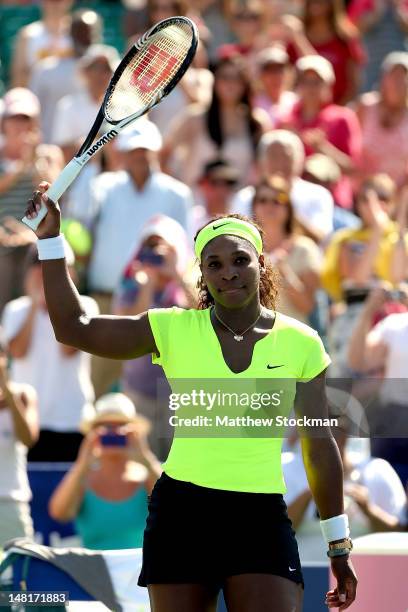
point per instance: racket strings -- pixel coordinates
(149, 72)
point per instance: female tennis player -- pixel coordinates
(217, 519)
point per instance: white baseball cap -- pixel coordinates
(320, 65)
(142, 135)
(395, 58)
(20, 101)
(275, 54)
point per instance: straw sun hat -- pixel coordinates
(114, 408)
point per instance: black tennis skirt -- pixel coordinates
(200, 535)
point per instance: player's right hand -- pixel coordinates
(50, 226)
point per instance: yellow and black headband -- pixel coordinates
(231, 227)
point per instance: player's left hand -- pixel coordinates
(344, 594)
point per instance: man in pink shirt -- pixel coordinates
(325, 127)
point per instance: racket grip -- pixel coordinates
(59, 186)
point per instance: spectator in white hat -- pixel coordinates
(121, 203)
(383, 116)
(22, 160)
(155, 277)
(325, 127)
(106, 489)
(275, 74)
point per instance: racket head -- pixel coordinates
(151, 69)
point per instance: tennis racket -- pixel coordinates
(148, 72)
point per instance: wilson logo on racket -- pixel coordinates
(156, 67)
(102, 141)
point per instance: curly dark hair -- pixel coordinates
(268, 284)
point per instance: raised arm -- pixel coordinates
(107, 336)
(325, 476)
(65, 502)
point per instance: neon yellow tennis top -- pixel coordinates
(214, 453)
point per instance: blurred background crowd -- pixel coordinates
(294, 113)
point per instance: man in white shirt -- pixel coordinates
(59, 374)
(120, 205)
(55, 77)
(282, 152)
(75, 114)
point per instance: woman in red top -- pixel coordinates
(333, 36)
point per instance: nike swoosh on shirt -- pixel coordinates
(292, 569)
(273, 367)
(220, 225)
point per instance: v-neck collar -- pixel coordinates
(219, 347)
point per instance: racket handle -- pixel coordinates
(59, 186)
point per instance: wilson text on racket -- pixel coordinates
(102, 141)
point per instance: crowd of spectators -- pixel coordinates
(294, 113)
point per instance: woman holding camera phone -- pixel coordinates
(105, 492)
(155, 277)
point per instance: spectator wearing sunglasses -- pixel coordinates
(296, 257)
(106, 489)
(356, 259)
(247, 21)
(216, 188)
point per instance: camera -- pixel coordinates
(113, 439)
(396, 295)
(149, 256)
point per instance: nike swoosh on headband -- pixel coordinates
(220, 225)
(273, 367)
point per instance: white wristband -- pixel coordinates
(335, 528)
(51, 248)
